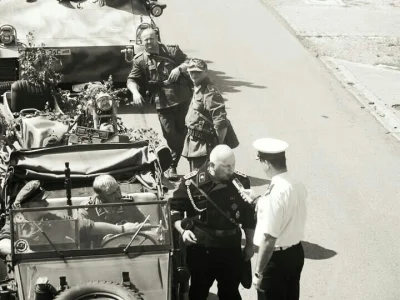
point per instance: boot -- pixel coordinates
(172, 175)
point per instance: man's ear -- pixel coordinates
(211, 165)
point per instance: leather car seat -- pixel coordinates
(26, 95)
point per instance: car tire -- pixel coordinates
(99, 288)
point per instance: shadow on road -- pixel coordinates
(212, 296)
(317, 252)
(228, 84)
(255, 181)
(311, 251)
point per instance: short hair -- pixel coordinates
(278, 162)
(105, 184)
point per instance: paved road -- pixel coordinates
(274, 87)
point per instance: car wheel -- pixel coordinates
(99, 290)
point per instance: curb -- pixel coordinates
(347, 80)
(375, 106)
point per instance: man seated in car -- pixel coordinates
(108, 191)
(32, 195)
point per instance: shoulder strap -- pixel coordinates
(214, 204)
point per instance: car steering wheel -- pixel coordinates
(125, 239)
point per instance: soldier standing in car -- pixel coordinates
(206, 120)
(214, 243)
(158, 73)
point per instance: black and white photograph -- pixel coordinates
(199, 150)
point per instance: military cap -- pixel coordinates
(31, 192)
(269, 148)
(196, 64)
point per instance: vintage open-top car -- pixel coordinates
(92, 41)
(52, 253)
(54, 46)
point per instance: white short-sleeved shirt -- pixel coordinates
(282, 211)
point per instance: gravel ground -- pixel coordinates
(366, 50)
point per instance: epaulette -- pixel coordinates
(190, 175)
(240, 173)
(174, 46)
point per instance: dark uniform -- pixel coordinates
(217, 253)
(171, 100)
(113, 215)
(205, 115)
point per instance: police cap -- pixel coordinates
(269, 148)
(196, 65)
(31, 192)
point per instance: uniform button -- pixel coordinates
(207, 252)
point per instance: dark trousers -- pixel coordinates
(209, 264)
(281, 278)
(172, 121)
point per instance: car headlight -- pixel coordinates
(103, 101)
(8, 34)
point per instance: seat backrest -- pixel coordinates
(26, 95)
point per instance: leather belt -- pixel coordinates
(219, 233)
(284, 247)
(200, 134)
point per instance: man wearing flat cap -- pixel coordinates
(281, 217)
(32, 195)
(206, 120)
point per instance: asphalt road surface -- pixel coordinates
(351, 167)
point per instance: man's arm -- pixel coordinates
(215, 105)
(5, 246)
(5, 239)
(248, 221)
(267, 247)
(134, 78)
(179, 205)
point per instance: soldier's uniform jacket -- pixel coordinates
(148, 70)
(205, 115)
(114, 215)
(211, 228)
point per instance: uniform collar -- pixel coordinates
(280, 175)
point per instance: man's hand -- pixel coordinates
(257, 283)
(248, 194)
(248, 252)
(128, 227)
(137, 99)
(188, 237)
(174, 75)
